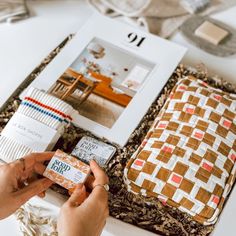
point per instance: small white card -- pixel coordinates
(32, 133)
(91, 149)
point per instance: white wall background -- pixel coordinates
(115, 60)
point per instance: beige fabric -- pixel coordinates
(135, 8)
(187, 159)
(13, 10)
(161, 17)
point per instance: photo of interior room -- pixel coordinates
(102, 81)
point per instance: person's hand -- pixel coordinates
(82, 215)
(18, 183)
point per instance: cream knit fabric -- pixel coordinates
(43, 108)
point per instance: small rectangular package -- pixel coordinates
(89, 148)
(66, 170)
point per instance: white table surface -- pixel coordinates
(24, 44)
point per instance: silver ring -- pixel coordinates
(104, 186)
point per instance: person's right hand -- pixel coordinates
(82, 215)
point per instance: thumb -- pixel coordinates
(34, 188)
(78, 196)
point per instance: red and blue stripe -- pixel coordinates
(46, 110)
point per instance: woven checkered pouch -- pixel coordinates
(187, 159)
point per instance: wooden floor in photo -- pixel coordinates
(98, 109)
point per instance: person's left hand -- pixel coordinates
(18, 183)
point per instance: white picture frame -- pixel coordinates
(162, 54)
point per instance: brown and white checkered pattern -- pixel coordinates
(187, 159)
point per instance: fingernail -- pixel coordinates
(92, 161)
